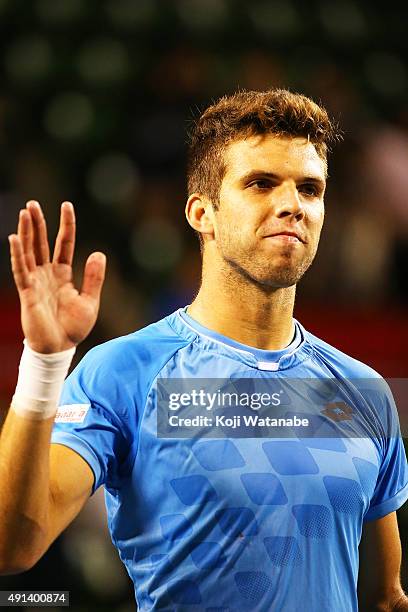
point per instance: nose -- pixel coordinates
(287, 201)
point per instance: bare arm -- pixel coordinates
(380, 562)
(44, 486)
(43, 489)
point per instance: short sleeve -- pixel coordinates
(94, 417)
(391, 490)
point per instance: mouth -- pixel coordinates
(287, 237)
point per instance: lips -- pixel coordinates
(286, 233)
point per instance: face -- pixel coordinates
(271, 208)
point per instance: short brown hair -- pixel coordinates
(249, 113)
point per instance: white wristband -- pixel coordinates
(40, 381)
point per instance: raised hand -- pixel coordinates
(54, 315)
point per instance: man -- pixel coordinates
(215, 523)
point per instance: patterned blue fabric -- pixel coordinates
(232, 524)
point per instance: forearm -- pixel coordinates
(55, 318)
(400, 604)
(25, 491)
(393, 603)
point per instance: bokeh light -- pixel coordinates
(60, 12)
(202, 14)
(128, 14)
(343, 19)
(274, 18)
(103, 61)
(387, 74)
(69, 116)
(156, 245)
(29, 59)
(112, 178)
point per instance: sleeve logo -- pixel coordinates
(72, 413)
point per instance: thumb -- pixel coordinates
(94, 275)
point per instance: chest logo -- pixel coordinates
(338, 411)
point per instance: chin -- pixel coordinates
(279, 282)
(282, 274)
(277, 279)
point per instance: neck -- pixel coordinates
(244, 310)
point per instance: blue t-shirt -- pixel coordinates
(258, 522)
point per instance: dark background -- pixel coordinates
(95, 102)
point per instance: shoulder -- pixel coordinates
(366, 381)
(339, 362)
(149, 347)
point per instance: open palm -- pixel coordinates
(55, 316)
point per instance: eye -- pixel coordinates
(260, 184)
(309, 189)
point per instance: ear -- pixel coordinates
(200, 214)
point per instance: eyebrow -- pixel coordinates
(253, 174)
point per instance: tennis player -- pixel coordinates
(208, 520)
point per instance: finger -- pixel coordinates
(25, 234)
(65, 243)
(41, 248)
(94, 276)
(18, 263)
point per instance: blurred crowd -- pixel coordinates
(96, 100)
